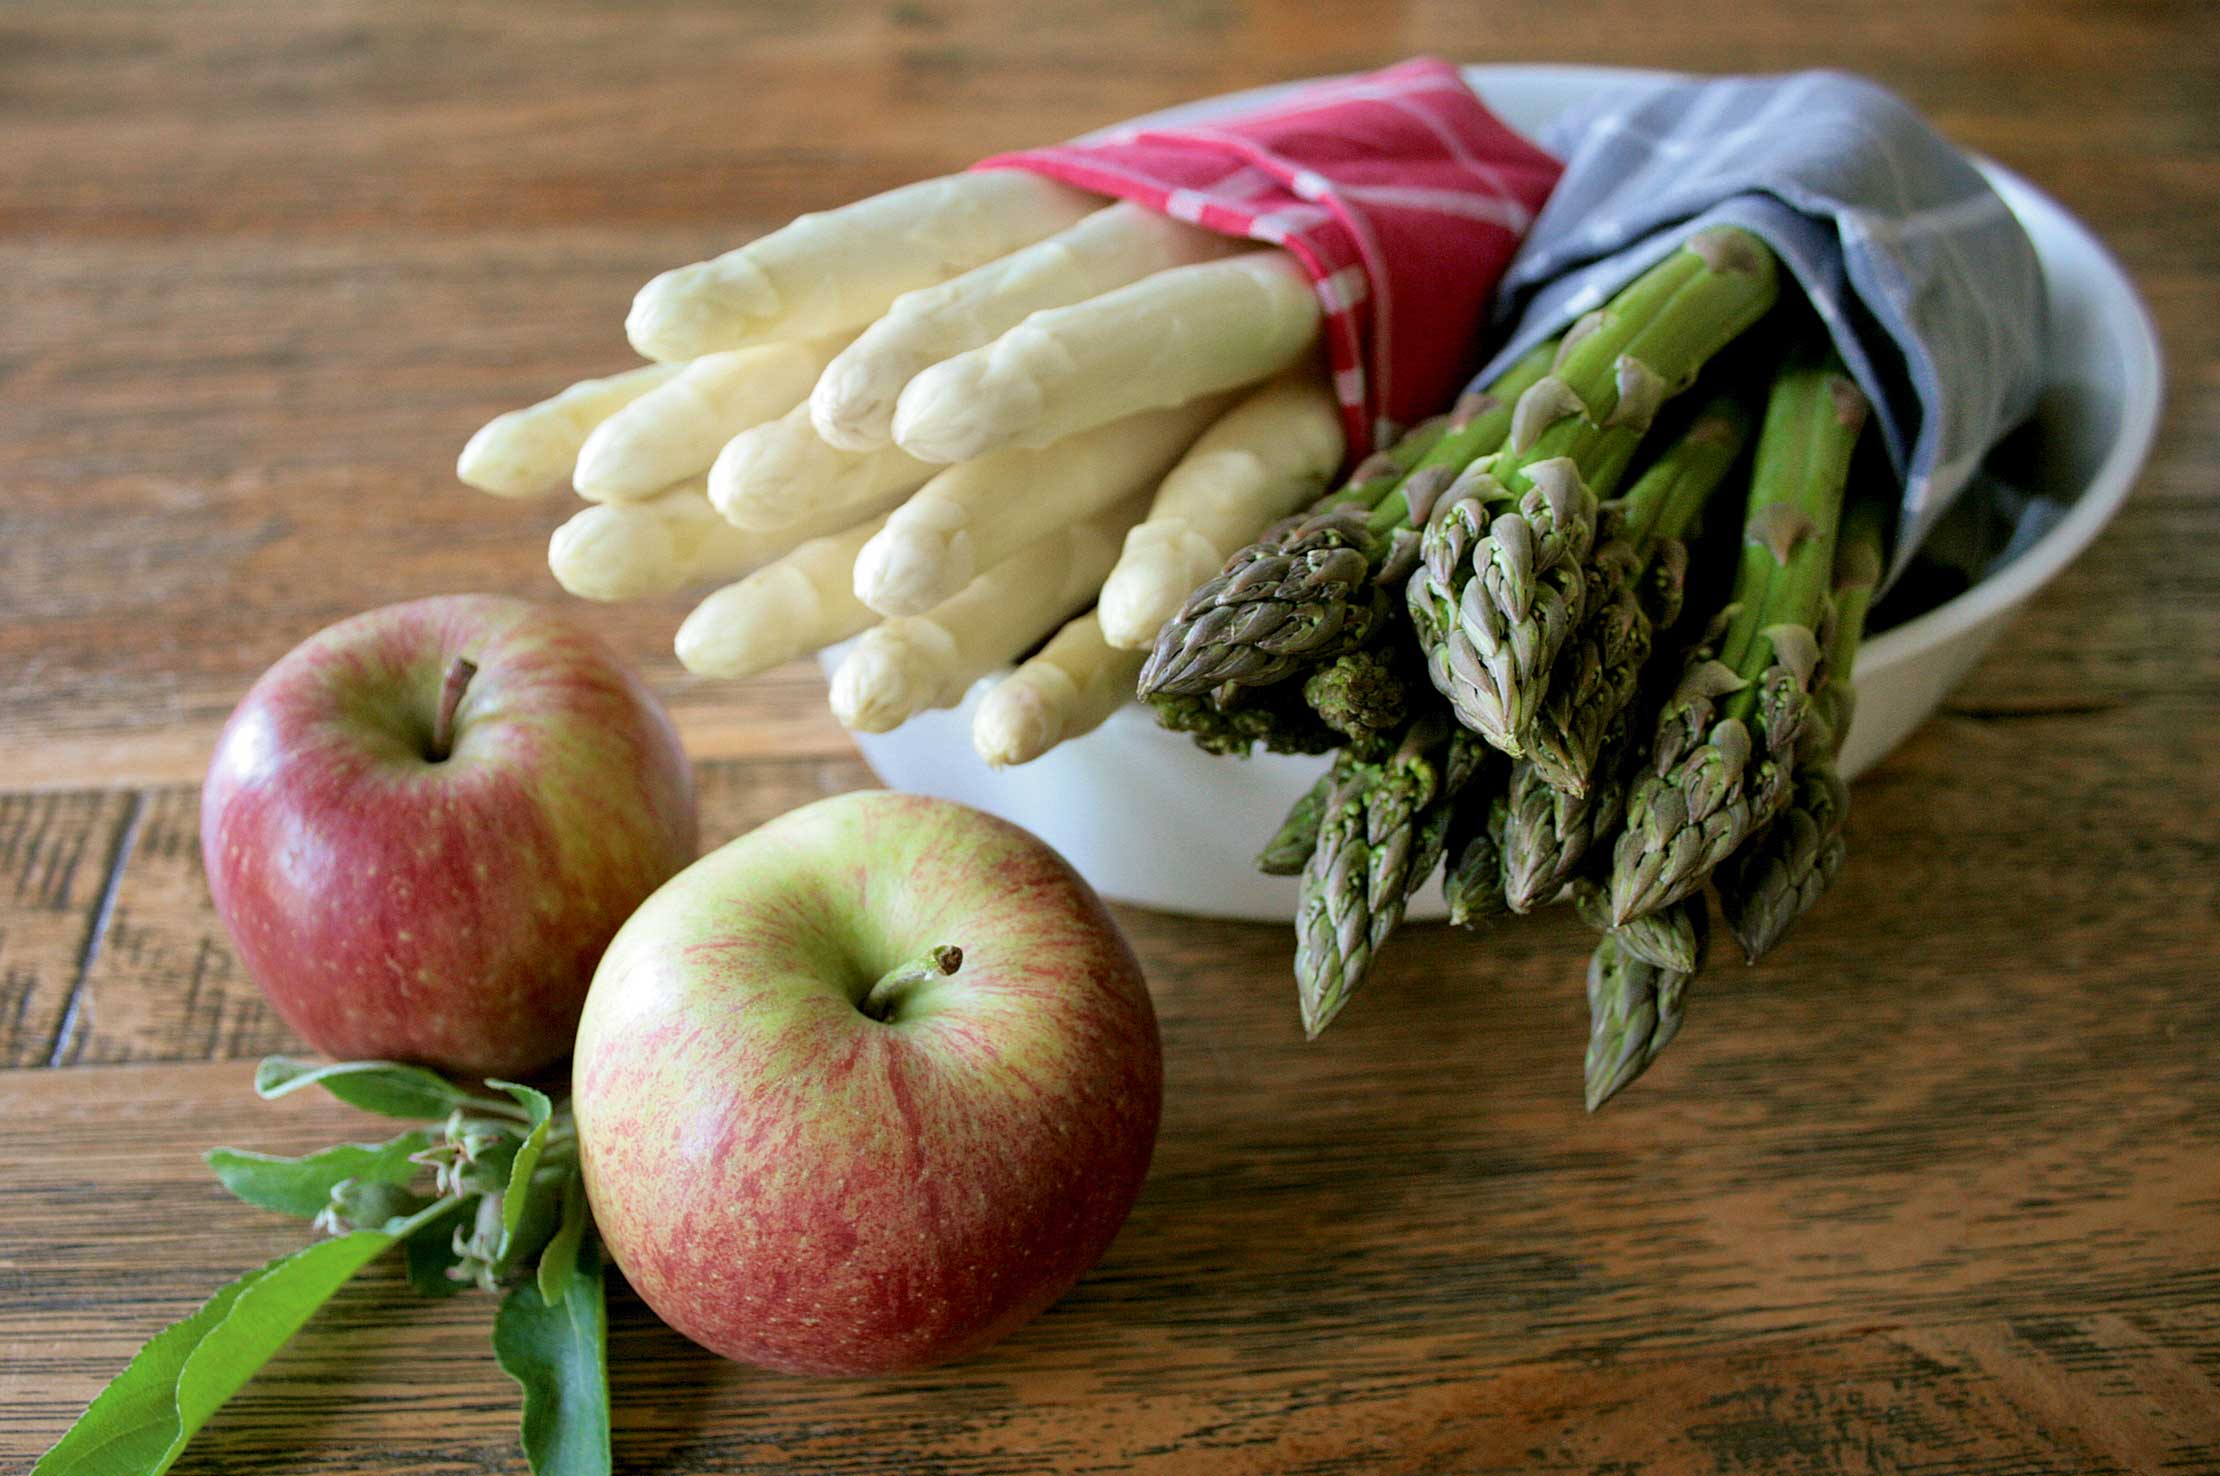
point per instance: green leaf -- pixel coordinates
(542, 1217)
(514, 1197)
(531, 1099)
(528, 1153)
(302, 1186)
(559, 1352)
(384, 1087)
(140, 1423)
(560, 1257)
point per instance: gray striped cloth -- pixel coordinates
(1923, 276)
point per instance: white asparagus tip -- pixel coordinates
(946, 415)
(599, 475)
(872, 692)
(602, 554)
(488, 464)
(852, 406)
(910, 565)
(700, 308)
(1164, 560)
(743, 628)
(530, 451)
(1015, 724)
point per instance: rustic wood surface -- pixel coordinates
(1938, 1189)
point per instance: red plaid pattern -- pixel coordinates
(1400, 194)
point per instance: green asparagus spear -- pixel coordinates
(1344, 909)
(1634, 1011)
(1548, 833)
(1596, 678)
(1472, 879)
(1296, 598)
(1777, 877)
(1291, 845)
(1858, 568)
(1500, 586)
(1502, 579)
(1782, 871)
(1724, 752)
(1463, 766)
(1675, 938)
(1384, 829)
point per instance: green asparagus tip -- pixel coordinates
(1320, 1012)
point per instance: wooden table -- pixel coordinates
(1938, 1189)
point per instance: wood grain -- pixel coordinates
(1936, 1190)
(1934, 1182)
(1471, 1295)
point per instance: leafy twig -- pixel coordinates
(505, 1167)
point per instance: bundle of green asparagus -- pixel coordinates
(1506, 630)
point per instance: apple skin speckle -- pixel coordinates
(447, 912)
(797, 1185)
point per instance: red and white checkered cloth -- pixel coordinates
(1401, 195)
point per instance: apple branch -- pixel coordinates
(886, 995)
(459, 674)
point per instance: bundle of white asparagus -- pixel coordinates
(974, 417)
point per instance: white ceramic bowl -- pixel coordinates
(1150, 819)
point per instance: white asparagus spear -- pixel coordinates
(973, 516)
(840, 268)
(1076, 681)
(914, 662)
(793, 605)
(662, 544)
(776, 475)
(1163, 340)
(676, 429)
(853, 404)
(527, 452)
(1269, 455)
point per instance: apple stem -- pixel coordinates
(938, 963)
(459, 673)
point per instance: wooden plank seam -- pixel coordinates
(96, 932)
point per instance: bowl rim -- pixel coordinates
(2124, 313)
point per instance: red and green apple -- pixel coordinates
(423, 825)
(867, 1088)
